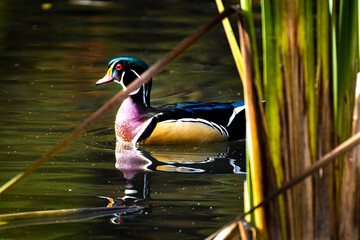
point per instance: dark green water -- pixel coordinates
(49, 63)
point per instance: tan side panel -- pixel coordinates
(182, 133)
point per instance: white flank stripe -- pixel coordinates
(144, 127)
(235, 112)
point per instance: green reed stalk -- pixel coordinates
(271, 26)
(346, 66)
(348, 177)
(299, 113)
(346, 44)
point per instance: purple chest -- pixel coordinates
(129, 120)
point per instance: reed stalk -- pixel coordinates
(22, 219)
(309, 96)
(257, 152)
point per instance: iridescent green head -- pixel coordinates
(124, 70)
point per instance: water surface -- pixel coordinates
(49, 63)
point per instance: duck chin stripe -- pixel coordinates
(124, 86)
(122, 81)
(144, 90)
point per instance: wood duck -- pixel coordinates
(174, 124)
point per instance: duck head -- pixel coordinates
(124, 70)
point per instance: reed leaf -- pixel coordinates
(260, 172)
(334, 56)
(272, 75)
(347, 32)
(309, 105)
(328, 158)
(234, 47)
(350, 202)
(272, 85)
(238, 58)
(256, 136)
(346, 68)
(246, 7)
(307, 54)
(324, 205)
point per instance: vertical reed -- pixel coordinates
(310, 60)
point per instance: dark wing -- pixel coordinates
(219, 113)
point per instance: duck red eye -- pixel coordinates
(118, 66)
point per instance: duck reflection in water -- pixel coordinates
(138, 162)
(218, 158)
